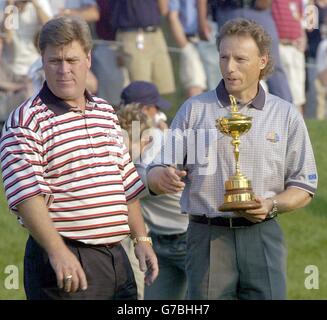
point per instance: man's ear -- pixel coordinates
(263, 61)
(89, 60)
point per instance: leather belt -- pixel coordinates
(76, 243)
(224, 222)
(144, 29)
(169, 236)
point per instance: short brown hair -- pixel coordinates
(243, 27)
(64, 30)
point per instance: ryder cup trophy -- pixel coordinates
(238, 191)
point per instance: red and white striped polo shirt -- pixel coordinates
(77, 161)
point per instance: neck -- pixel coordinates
(77, 103)
(245, 97)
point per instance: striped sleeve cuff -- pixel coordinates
(311, 190)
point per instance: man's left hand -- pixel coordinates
(259, 214)
(148, 261)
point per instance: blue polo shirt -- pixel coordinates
(188, 14)
(135, 14)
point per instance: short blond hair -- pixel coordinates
(63, 31)
(129, 113)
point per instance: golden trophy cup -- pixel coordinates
(238, 191)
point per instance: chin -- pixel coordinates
(232, 89)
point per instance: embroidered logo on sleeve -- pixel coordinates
(273, 137)
(312, 177)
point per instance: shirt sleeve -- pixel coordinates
(300, 167)
(88, 3)
(321, 61)
(23, 166)
(45, 5)
(174, 5)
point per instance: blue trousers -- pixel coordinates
(171, 282)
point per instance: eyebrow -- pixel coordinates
(58, 58)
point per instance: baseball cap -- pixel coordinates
(145, 93)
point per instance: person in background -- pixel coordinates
(288, 15)
(12, 93)
(162, 214)
(183, 19)
(85, 9)
(19, 49)
(144, 50)
(106, 64)
(321, 80)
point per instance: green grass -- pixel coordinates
(305, 230)
(305, 233)
(12, 243)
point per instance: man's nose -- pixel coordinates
(64, 67)
(230, 66)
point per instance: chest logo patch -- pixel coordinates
(273, 137)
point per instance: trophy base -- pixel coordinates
(239, 206)
(239, 195)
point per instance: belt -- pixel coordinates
(225, 222)
(144, 29)
(287, 42)
(76, 243)
(169, 236)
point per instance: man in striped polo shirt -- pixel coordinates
(69, 177)
(237, 255)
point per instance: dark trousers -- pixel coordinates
(108, 272)
(246, 263)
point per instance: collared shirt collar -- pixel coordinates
(54, 103)
(258, 102)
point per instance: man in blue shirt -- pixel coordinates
(258, 11)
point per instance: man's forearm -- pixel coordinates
(135, 220)
(177, 29)
(37, 220)
(291, 199)
(163, 7)
(262, 4)
(89, 14)
(41, 14)
(202, 11)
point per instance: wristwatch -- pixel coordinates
(142, 239)
(274, 211)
